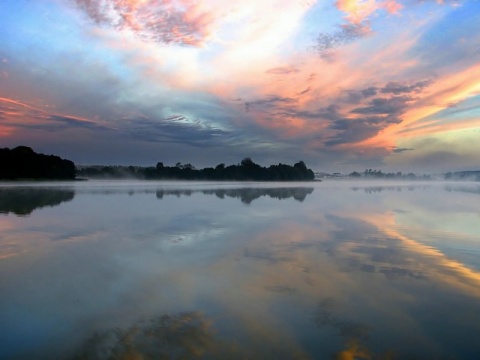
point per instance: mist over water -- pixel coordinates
(124, 269)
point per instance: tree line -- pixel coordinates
(378, 174)
(24, 163)
(463, 175)
(246, 170)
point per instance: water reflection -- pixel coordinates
(246, 195)
(397, 188)
(470, 189)
(339, 275)
(23, 201)
(182, 336)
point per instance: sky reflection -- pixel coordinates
(390, 273)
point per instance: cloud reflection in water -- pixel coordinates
(342, 273)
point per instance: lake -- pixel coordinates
(180, 270)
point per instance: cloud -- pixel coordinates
(75, 121)
(387, 106)
(359, 10)
(326, 43)
(362, 114)
(424, 115)
(400, 150)
(178, 128)
(267, 103)
(358, 129)
(23, 115)
(164, 21)
(173, 65)
(392, 87)
(397, 88)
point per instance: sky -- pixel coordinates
(342, 85)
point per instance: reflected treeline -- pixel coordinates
(246, 195)
(22, 201)
(463, 188)
(380, 188)
(463, 175)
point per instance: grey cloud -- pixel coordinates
(268, 103)
(178, 128)
(398, 88)
(392, 87)
(72, 121)
(370, 91)
(326, 43)
(328, 113)
(355, 96)
(400, 150)
(389, 106)
(354, 130)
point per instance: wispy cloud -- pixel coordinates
(17, 114)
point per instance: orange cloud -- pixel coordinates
(360, 10)
(357, 10)
(438, 96)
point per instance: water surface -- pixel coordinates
(113, 270)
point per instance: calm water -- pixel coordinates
(153, 270)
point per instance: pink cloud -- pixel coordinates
(166, 21)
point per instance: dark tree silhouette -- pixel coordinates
(246, 170)
(23, 163)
